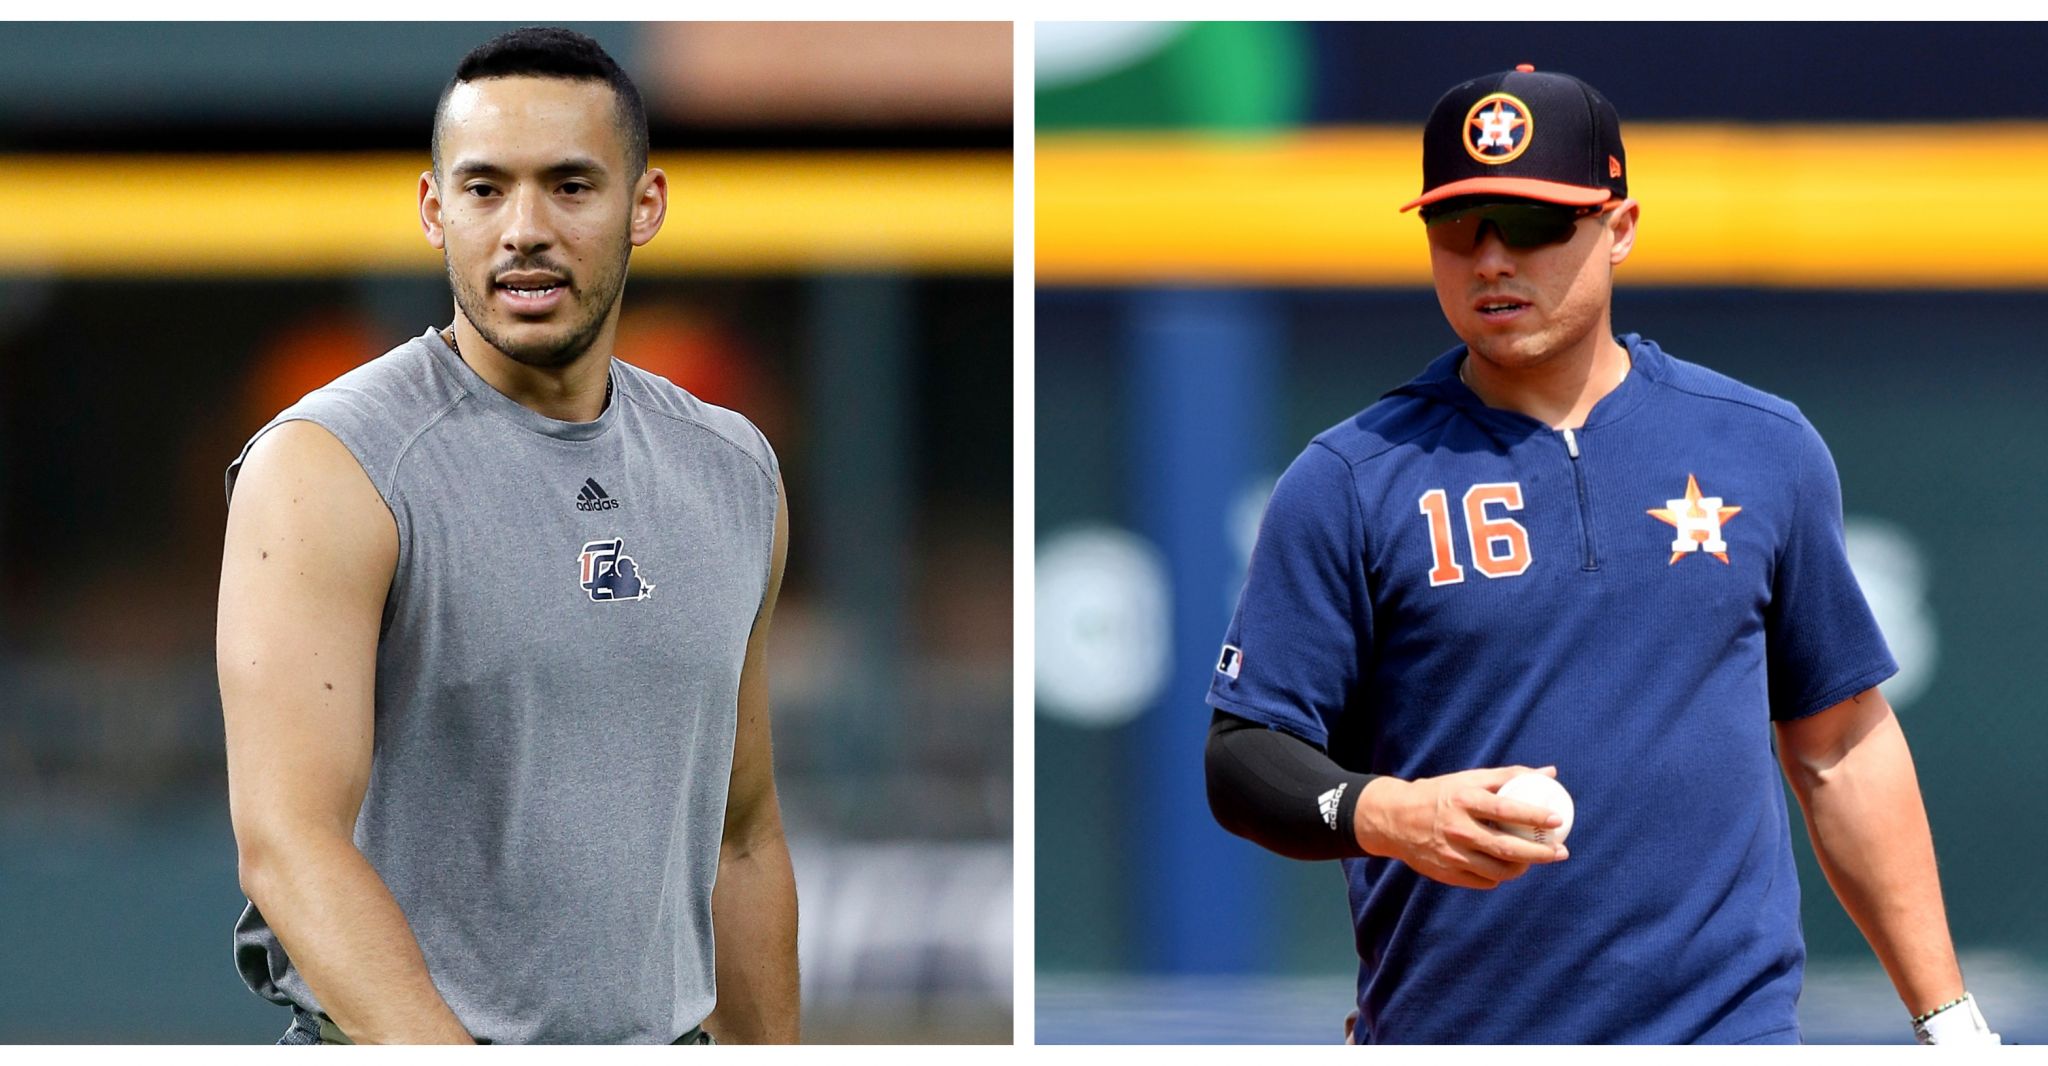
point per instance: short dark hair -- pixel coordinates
(553, 52)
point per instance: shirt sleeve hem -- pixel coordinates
(1291, 726)
(1869, 678)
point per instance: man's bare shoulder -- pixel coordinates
(296, 451)
(304, 492)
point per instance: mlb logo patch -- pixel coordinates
(1228, 663)
(609, 574)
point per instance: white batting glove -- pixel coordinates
(1957, 1024)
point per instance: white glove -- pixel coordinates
(1958, 1024)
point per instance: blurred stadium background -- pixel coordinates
(1845, 215)
(201, 222)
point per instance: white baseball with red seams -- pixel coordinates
(1543, 791)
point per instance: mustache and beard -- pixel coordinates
(589, 309)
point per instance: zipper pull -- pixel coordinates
(1571, 444)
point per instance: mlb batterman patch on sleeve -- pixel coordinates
(1228, 663)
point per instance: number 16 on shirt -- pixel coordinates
(1500, 546)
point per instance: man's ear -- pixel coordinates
(650, 205)
(1623, 226)
(430, 210)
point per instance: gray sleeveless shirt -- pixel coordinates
(557, 686)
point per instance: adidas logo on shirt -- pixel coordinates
(593, 497)
(1327, 802)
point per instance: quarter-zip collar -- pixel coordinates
(1439, 381)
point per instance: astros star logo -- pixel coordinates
(1498, 128)
(1698, 519)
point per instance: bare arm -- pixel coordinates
(1853, 774)
(753, 906)
(309, 556)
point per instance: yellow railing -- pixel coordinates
(1807, 206)
(745, 213)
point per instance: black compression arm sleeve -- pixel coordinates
(1268, 787)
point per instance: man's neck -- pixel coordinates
(1558, 392)
(574, 392)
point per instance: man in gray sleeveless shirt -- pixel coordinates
(493, 618)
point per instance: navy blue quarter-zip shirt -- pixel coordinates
(1440, 586)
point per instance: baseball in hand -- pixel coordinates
(1543, 791)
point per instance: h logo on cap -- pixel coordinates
(1498, 128)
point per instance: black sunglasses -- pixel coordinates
(1520, 223)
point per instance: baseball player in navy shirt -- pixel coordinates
(1562, 550)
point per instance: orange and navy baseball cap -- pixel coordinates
(1524, 133)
